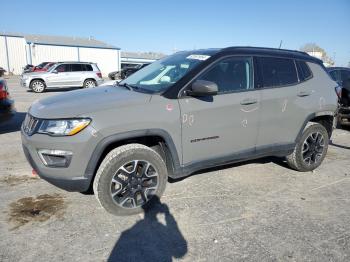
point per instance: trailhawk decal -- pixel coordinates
(204, 139)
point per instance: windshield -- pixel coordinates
(163, 73)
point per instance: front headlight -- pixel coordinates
(63, 127)
(24, 77)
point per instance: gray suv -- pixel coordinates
(63, 74)
(189, 111)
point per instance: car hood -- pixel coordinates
(82, 102)
(36, 74)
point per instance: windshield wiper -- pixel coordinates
(127, 86)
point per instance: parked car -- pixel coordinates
(342, 76)
(2, 72)
(27, 69)
(125, 72)
(64, 74)
(7, 109)
(187, 112)
(43, 68)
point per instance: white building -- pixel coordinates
(128, 58)
(18, 50)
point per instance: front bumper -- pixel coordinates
(73, 177)
(24, 83)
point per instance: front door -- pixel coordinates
(61, 77)
(219, 126)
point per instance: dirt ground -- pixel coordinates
(254, 211)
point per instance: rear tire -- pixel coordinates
(89, 83)
(38, 86)
(310, 150)
(128, 179)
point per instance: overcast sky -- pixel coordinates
(165, 26)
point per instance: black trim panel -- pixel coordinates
(102, 145)
(253, 153)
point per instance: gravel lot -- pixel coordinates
(254, 211)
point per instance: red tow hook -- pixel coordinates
(34, 173)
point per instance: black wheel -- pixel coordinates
(38, 86)
(89, 83)
(310, 151)
(128, 179)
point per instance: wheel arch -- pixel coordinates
(325, 118)
(37, 78)
(149, 137)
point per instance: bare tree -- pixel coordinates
(315, 50)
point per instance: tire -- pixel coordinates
(310, 150)
(89, 83)
(38, 86)
(120, 174)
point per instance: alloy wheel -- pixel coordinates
(38, 86)
(134, 184)
(313, 148)
(90, 84)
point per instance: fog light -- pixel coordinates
(55, 158)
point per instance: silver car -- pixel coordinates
(64, 74)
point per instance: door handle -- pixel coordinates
(249, 101)
(304, 93)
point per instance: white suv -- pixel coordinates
(64, 74)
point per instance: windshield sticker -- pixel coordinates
(198, 57)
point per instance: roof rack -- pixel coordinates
(267, 49)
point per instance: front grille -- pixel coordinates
(29, 125)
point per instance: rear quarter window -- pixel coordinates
(276, 72)
(304, 71)
(88, 67)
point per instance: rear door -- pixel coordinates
(217, 127)
(278, 85)
(77, 74)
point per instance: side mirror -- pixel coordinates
(54, 71)
(203, 88)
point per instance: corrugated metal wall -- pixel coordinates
(20, 53)
(3, 56)
(17, 54)
(49, 53)
(106, 59)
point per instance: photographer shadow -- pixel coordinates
(151, 240)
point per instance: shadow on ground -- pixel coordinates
(13, 124)
(150, 239)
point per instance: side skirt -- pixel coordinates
(264, 151)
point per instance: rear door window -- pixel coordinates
(276, 72)
(77, 67)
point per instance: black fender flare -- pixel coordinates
(107, 141)
(309, 118)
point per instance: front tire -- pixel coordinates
(311, 149)
(128, 179)
(38, 86)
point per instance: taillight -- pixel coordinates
(3, 91)
(99, 75)
(338, 91)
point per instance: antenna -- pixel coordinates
(280, 45)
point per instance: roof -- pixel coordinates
(338, 68)
(142, 55)
(62, 40)
(272, 51)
